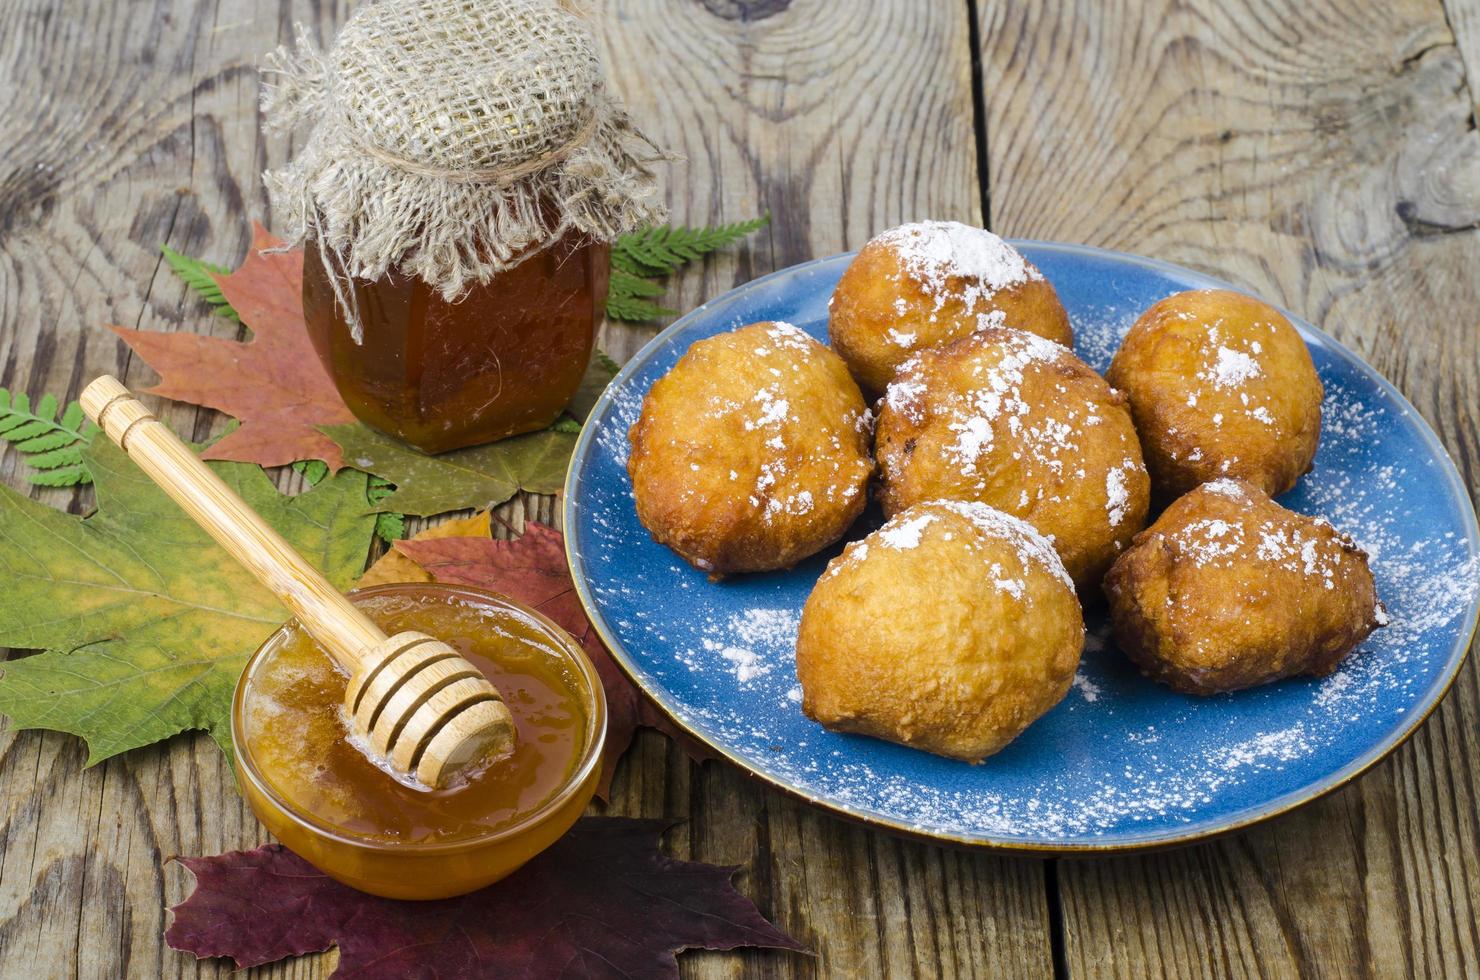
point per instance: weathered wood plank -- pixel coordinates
(126, 126)
(1322, 154)
(1464, 21)
(148, 134)
(839, 131)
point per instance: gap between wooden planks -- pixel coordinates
(1269, 146)
(1324, 155)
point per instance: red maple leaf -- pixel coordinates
(603, 901)
(533, 570)
(274, 384)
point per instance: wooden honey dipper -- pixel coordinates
(415, 702)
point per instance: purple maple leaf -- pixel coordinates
(602, 901)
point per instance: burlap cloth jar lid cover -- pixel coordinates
(452, 138)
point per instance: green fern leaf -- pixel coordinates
(28, 430)
(64, 456)
(621, 263)
(647, 252)
(47, 441)
(390, 526)
(49, 445)
(197, 275)
(312, 470)
(662, 249)
(624, 285)
(73, 418)
(659, 251)
(67, 476)
(379, 489)
(605, 360)
(635, 310)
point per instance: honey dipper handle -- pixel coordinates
(332, 619)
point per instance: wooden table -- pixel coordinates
(1321, 153)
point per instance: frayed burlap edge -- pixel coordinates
(371, 215)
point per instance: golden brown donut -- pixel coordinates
(752, 452)
(1228, 590)
(924, 284)
(1220, 384)
(1020, 423)
(951, 629)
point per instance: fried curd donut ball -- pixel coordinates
(1020, 423)
(1228, 590)
(951, 629)
(924, 284)
(1220, 385)
(752, 452)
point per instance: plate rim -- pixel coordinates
(1269, 810)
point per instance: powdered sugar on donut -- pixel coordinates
(995, 406)
(906, 530)
(1117, 494)
(1032, 547)
(950, 259)
(1225, 488)
(1233, 367)
(902, 534)
(1309, 547)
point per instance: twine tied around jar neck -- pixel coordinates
(492, 175)
(451, 140)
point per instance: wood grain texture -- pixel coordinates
(135, 124)
(125, 126)
(1464, 21)
(1322, 154)
(839, 132)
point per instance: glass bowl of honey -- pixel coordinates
(314, 789)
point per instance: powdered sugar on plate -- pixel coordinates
(1087, 688)
(750, 644)
(1121, 760)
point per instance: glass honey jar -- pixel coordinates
(504, 358)
(464, 172)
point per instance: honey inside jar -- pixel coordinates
(298, 737)
(503, 359)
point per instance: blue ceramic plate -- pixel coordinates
(1121, 762)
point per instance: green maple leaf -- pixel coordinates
(144, 621)
(389, 527)
(463, 479)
